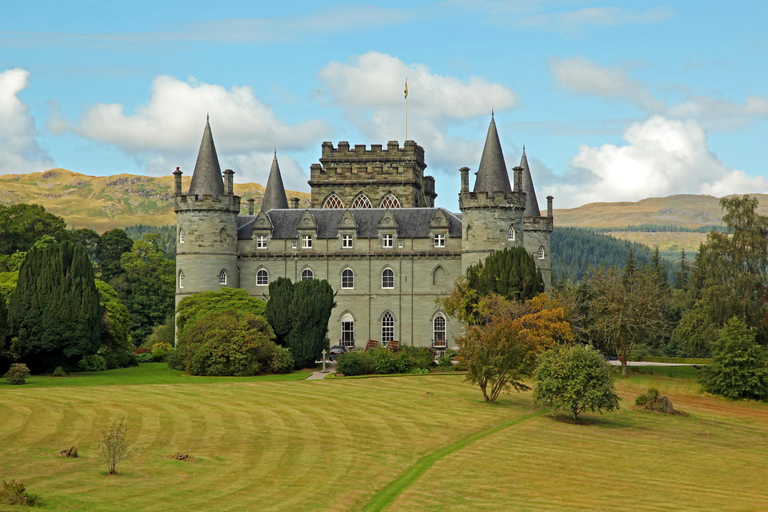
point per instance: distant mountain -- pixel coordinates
(105, 202)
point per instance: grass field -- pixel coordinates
(406, 443)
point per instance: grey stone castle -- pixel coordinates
(372, 231)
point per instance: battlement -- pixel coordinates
(538, 223)
(224, 202)
(393, 152)
(515, 200)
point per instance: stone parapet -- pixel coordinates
(538, 223)
(225, 203)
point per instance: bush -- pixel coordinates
(119, 359)
(354, 363)
(160, 351)
(15, 493)
(146, 357)
(17, 374)
(738, 368)
(383, 361)
(59, 372)
(653, 401)
(419, 371)
(94, 363)
(142, 350)
(175, 360)
(113, 445)
(282, 361)
(232, 343)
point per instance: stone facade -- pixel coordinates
(388, 266)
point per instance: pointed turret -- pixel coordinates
(492, 173)
(206, 179)
(531, 203)
(274, 193)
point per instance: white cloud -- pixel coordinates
(662, 157)
(370, 92)
(594, 16)
(19, 151)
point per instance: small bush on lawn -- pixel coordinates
(94, 363)
(354, 363)
(113, 445)
(17, 374)
(59, 372)
(146, 357)
(653, 401)
(282, 361)
(15, 493)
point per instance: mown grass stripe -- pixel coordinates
(386, 496)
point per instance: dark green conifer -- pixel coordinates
(279, 314)
(311, 309)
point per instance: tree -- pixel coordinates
(235, 343)
(21, 225)
(278, 311)
(55, 310)
(496, 354)
(194, 307)
(574, 379)
(738, 368)
(624, 310)
(152, 286)
(311, 308)
(113, 446)
(110, 248)
(115, 342)
(88, 239)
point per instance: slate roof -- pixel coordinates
(492, 174)
(411, 222)
(274, 193)
(531, 203)
(206, 179)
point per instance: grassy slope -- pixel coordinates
(333, 444)
(106, 202)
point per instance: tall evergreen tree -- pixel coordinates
(111, 246)
(279, 313)
(55, 310)
(511, 273)
(630, 267)
(311, 308)
(682, 276)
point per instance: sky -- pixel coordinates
(613, 101)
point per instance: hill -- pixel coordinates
(106, 202)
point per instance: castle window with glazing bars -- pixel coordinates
(223, 277)
(346, 241)
(306, 241)
(511, 234)
(261, 241)
(541, 252)
(390, 201)
(439, 240)
(388, 278)
(307, 275)
(347, 279)
(333, 202)
(386, 241)
(438, 336)
(262, 278)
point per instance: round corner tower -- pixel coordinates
(206, 226)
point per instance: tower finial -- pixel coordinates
(207, 117)
(491, 112)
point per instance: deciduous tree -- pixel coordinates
(196, 306)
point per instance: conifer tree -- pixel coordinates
(279, 313)
(511, 273)
(311, 308)
(55, 310)
(682, 276)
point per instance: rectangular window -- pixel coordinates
(306, 241)
(293, 244)
(348, 333)
(439, 240)
(386, 241)
(261, 242)
(346, 242)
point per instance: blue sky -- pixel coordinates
(613, 101)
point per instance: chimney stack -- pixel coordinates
(250, 206)
(518, 178)
(177, 182)
(464, 179)
(549, 207)
(295, 203)
(229, 181)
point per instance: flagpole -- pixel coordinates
(406, 109)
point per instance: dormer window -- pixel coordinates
(261, 241)
(306, 241)
(346, 241)
(439, 240)
(386, 241)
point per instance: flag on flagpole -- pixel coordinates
(406, 88)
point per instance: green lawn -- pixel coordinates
(408, 443)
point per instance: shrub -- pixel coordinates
(113, 445)
(419, 370)
(59, 372)
(354, 363)
(160, 351)
(94, 363)
(383, 360)
(282, 360)
(175, 360)
(146, 357)
(119, 359)
(651, 400)
(445, 361)
(17, 374)
(142, 350)
(15, 493)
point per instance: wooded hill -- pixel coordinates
(106, 202)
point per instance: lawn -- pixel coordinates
(339, 444)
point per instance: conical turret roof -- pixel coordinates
(492, 174)
(531, 203)
(274, 193)
(207, 176)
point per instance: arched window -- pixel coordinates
(262, 277)
(387, 328)
(181, 236)
(347, 279)
(541, 252)
(333, 202)
(388, 278)
(361, 201)
(511, 234)
(223, 277)
(438, 276)
(307, 274)
(389, 201)
(347, 330)
(181, 279)
(438, 331)
(223, 236)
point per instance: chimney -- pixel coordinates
(549, 206)
(464, 179)
(295, 203)
(250, 206)
(229, 181)
(518, 178)
(177, 182)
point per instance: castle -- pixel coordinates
(372, 231)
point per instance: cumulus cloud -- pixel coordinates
(661, 157)
(19, 150)
(370, 90)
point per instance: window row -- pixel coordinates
(223, 236)
(361, 201)
(347, 241)
(387, 326)
(223, 277)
